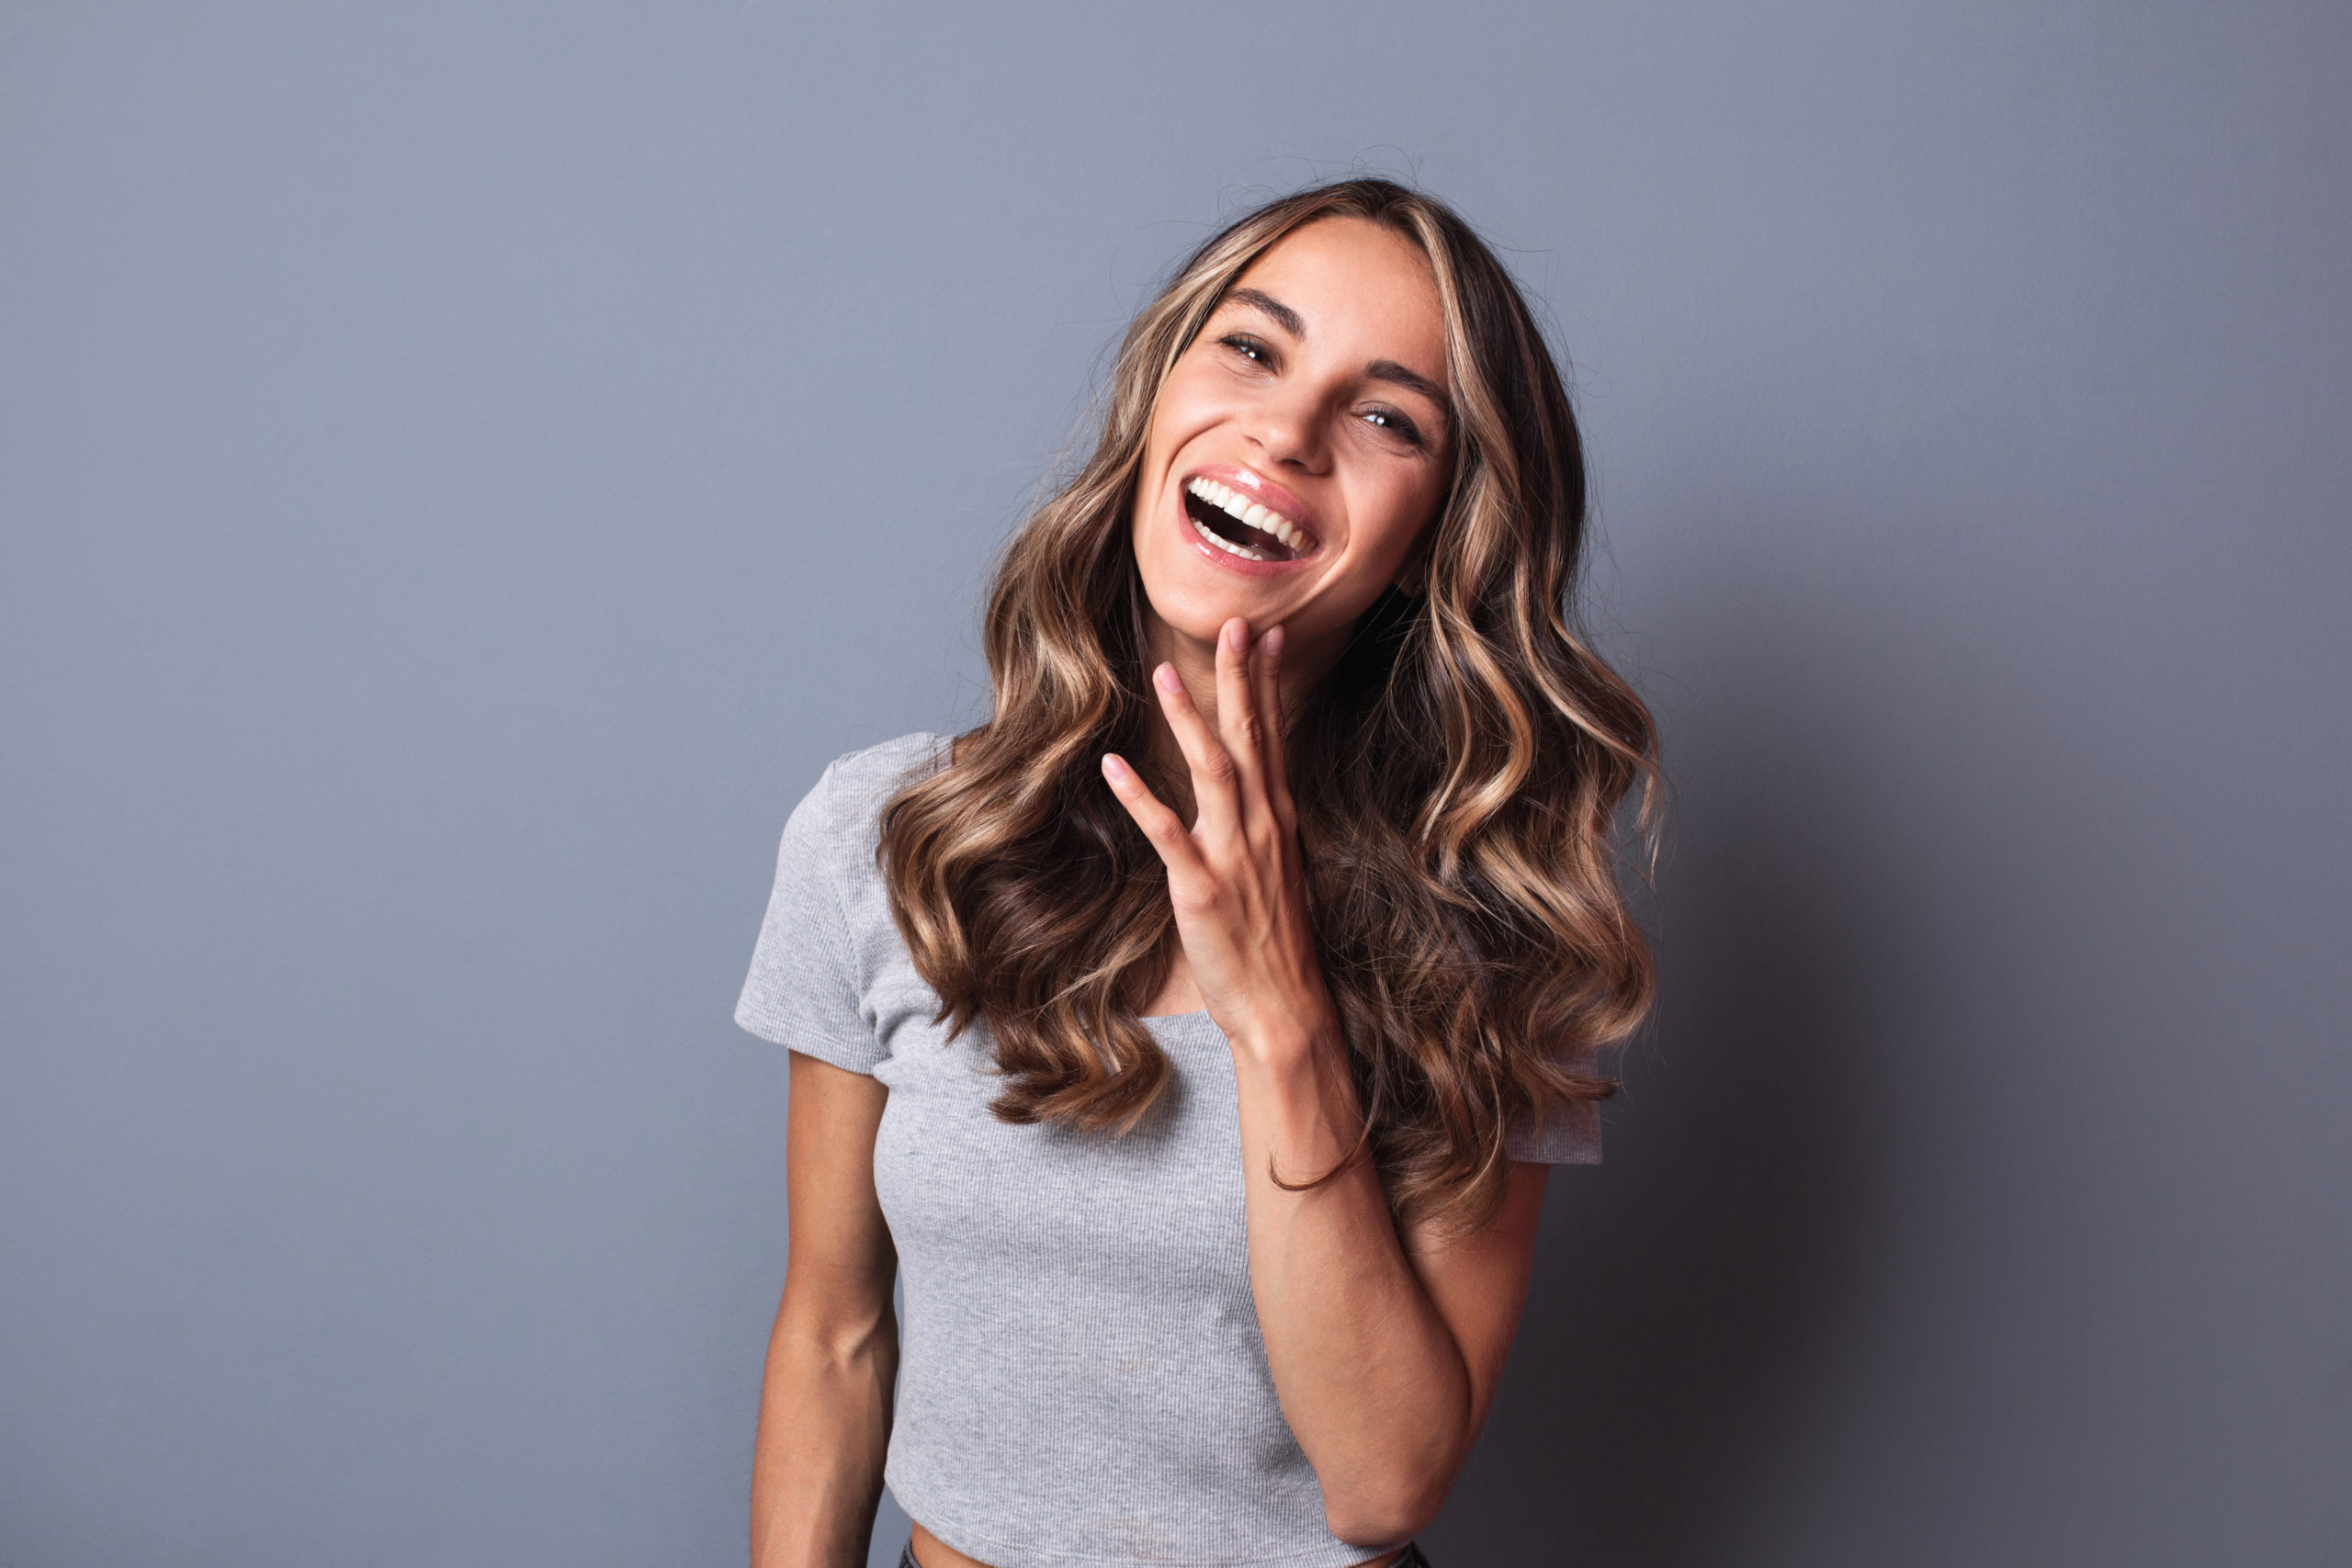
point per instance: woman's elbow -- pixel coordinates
(1388, 1515)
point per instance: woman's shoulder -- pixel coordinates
(827, 937)
(846, 802)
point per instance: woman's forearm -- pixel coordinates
(1383, 1354)
(1370, 1377)
(824, 1427)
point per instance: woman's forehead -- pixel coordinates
(1348, 283)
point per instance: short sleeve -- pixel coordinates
(1569, 1135)
(803, 990)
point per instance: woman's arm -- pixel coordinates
(1384, 1349)
(825, 1404)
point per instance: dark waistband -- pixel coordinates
(1409, 1558)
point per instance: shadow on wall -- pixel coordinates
(1687, 1291)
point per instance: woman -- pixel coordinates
(1194, 1035)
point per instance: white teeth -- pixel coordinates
(1241, 508)
(1227, 545)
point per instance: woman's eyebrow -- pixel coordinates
(1389, 370)
(1290, 321)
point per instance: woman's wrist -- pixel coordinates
(1293, 1072)
(1286, 1037)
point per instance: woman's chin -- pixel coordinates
(1198, 619)
(1193, 597)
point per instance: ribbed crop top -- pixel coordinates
(1081, 1383)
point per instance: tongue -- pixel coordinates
(1256, 539)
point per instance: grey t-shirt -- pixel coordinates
(1081, 1383)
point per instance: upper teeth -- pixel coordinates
(1234, 503)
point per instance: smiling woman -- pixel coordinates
(1306, 371)
(1192, 1039)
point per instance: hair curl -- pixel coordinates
(1457, 774)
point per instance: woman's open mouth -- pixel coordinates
(1238, 526)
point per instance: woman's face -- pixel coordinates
(1299, 447)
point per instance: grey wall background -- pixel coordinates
(464, 469)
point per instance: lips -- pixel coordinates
(1238, 521)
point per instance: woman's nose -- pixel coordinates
(1288, 427)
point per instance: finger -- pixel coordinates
(1161, 826)
(1267, 665)
(1238, 720)
(1219, 806)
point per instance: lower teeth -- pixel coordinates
(1225, 544)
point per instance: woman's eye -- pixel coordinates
(1394, 423)
(1249, 347)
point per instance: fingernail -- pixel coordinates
(1273, 642)
(1236, 636)
(1165, 676)
(1114, 766)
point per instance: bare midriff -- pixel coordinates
(932, 1552)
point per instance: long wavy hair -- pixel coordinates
(1457, 774)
